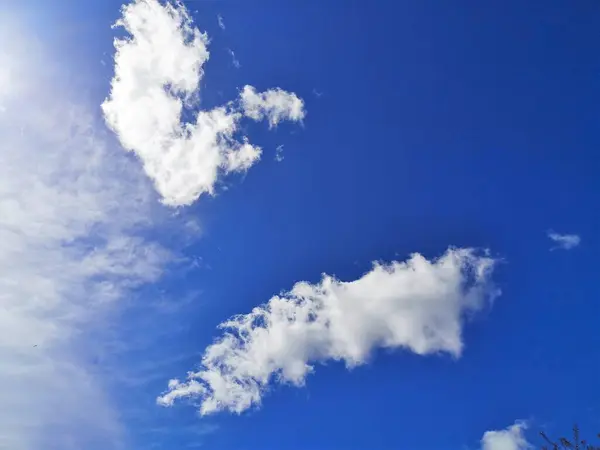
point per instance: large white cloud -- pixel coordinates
(418, 305)
(158, 70)
(73, 211)
(511, 438)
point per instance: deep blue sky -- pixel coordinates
(438, 123)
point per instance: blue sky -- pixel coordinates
(129, 232)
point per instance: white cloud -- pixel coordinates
(564, 241)
(279, 153)
(221, 21)
(511, 438)
(158, 70)
(72, 219)
(11, 67)
(275, 105)
(417, 305)
(234, 60)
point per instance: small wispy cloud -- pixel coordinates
(279, 153)
(234, 60)
(221, 22)
(206, 429)
(274, 104)
(418, 305)
(564, 241)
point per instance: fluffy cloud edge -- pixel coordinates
(417, 305)
(510, 438)
(275, 105)
(158, 70)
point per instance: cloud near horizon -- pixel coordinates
(158, 70)
(417, 305)
(511, 438)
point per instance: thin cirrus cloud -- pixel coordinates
(279, 153)
(510, 438)
(564, 241)
(418, 305)
(73, 216)
(77, 214)
(236, 62)
(158, 71)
